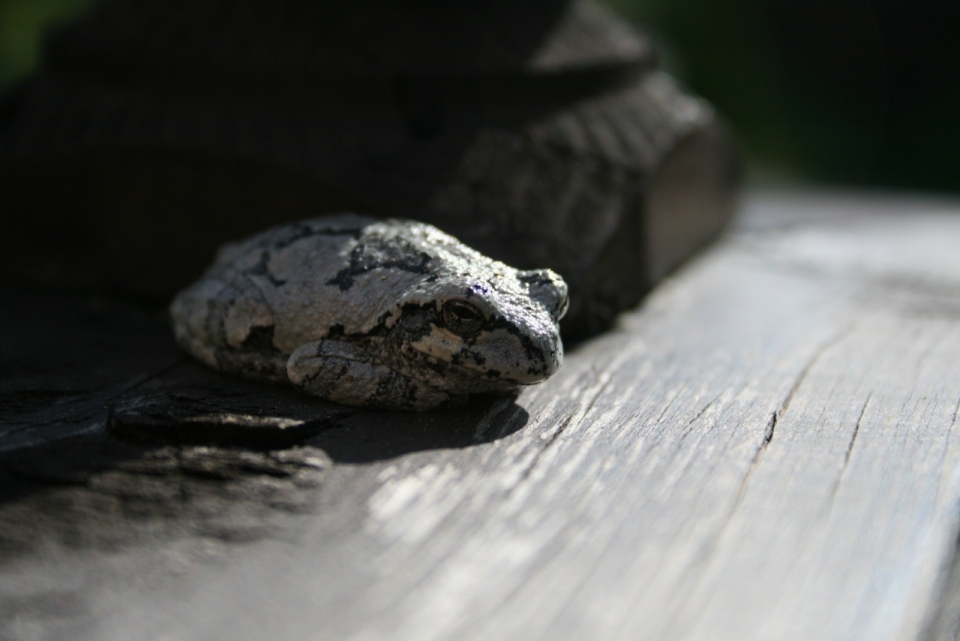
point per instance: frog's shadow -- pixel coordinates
(194, 405)
(370, 436)
(346, 435)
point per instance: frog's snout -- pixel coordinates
(553, 355)
(544, 357)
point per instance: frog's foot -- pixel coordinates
(344, 373)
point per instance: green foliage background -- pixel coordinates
(22, 23)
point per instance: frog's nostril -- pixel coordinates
(549, 289)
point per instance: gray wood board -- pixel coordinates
(765, 449)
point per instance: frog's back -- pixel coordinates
(238, 316)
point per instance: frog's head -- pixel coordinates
(476, 325)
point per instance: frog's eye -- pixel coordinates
(462, 318)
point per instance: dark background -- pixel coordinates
(855, 92)
(863, 92)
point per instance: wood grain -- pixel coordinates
(765, 449)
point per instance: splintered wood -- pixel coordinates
(765, 449)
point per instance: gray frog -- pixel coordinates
(391, 314)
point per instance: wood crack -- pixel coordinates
(706, 558)
(705, 408)
(846, 457)
(669, 405)
(775, 419)
(755, 462)
(771, 428)
(689, 427)
(856, 431)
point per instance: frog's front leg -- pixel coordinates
(343, 372)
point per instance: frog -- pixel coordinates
(379, 313)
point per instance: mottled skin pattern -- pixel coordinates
(392, 314)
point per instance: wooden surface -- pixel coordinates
(765, 449)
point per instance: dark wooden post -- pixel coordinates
(540, 132)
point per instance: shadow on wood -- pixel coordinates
(191, 404)
(187, 450)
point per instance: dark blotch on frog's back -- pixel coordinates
(262, 269)
(377, 253)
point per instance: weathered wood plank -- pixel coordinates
(64, 359)
(766, 449)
